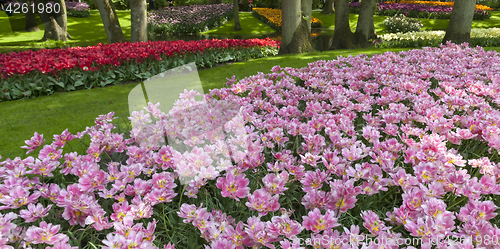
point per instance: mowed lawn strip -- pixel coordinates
(87, 31)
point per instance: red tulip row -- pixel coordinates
(94, 58)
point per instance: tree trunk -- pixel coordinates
(460, 24)
(110, 21)
(306, 7)
(342, 36)
(139, 24)
(54, 24)
(30, 17)
(301, 40)
(365, 23)
(289, 22)
(328, 8)
(236, 15)
(323, 42)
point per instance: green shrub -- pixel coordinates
(401, 23)
(318, 4)
(160, 4)
(91, 3)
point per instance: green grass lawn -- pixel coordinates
(250, 27)
(51, 115)
(76, 110)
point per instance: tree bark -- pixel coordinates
(342, 36)
(290, 20)
(301, 40)
(306, 7)
(54, 24)
(110, 21)
(328, 8)
(460, 24)
(30, 17)
(365, 23)
(62, 19)
(139, 24)
(236, 15)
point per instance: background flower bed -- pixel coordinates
(393, 146)
(272, 17)
(438, 3)
(188, 19)
(401, 23)
(30, 74)
(417, 9)
(479, 37)
(78, 9)
(75, 9)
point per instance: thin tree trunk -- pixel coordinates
(110, 21)
(139, 24)
(295, 34)
(342, 36)
(62, 17)
(306, 7)
(30, 17)
(460, 24)
(328, 8)
(365, 23)
(236, 15)
(323, 42)
(54, 24)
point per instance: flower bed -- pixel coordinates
(417, 9)
(479, 37)
(393, 149)
(31, 74)
(188, 19)
(272, 17)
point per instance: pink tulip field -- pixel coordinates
(395, 150)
